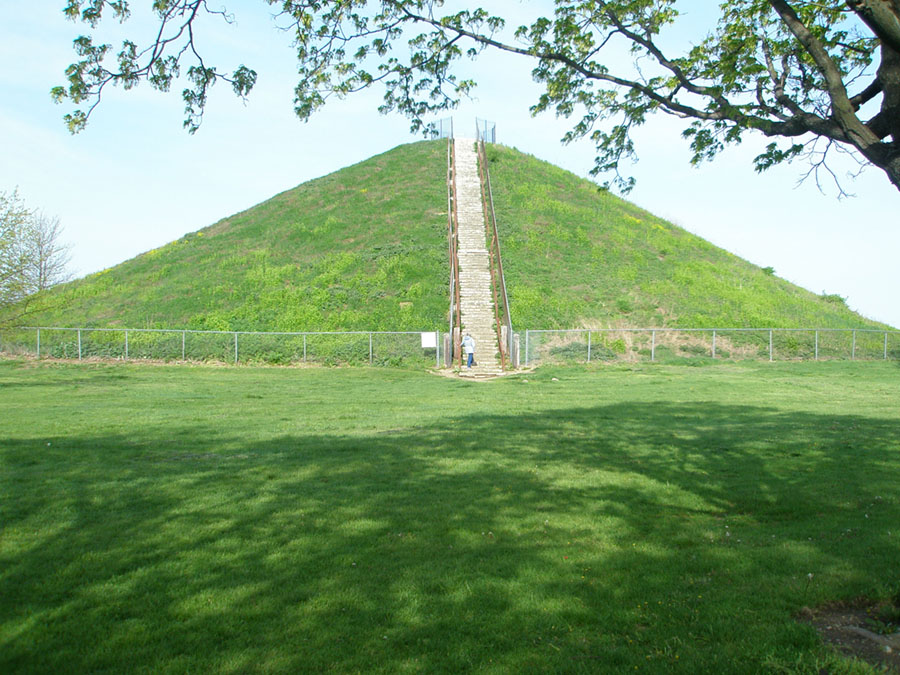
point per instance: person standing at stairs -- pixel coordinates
(469, 346)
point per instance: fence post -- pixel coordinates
(79, 344)
(437, 349)
(770, 345)
(589, 346)
(885, 345)
(235, 348)
(526, 347)
(370, 349)
(126, 344)
(817, 345)
(653, 345)
(714, 345)
(39, 342)
(183, 333)
(304, 348)
(853, 349)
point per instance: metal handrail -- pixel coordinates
(496, 258)
(492, 236)
(507, 316)
(453, 235)
(452, 313)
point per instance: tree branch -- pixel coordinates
(867, 94)
(578, 67)
(842, 109)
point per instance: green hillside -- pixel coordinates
(362, 248)
(365, 249)
(578, 257)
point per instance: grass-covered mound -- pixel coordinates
(365, 248)
(362, 248)
(575, 256)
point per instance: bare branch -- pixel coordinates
(867, 94)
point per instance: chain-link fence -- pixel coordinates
(423, 348)
(542, 347)
(377, 348)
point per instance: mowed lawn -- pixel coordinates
(650, 518)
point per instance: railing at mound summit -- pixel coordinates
(424, 348)
(485, 130)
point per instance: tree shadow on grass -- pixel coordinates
(663, 536)
(108, 373)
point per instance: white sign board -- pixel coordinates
(429, 340)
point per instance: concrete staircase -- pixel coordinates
(475, 294)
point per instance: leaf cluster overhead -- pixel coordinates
(815, 76)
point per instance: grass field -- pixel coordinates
(651, 518)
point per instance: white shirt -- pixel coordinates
(469, 344)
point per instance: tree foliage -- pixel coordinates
(815, 76)
(32, 257)
(15, 225)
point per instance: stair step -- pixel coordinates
(476, 303)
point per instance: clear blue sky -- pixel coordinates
(135, 180)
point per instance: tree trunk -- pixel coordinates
(892, 169)
(886, 124)
(889, 76)
(882, 17)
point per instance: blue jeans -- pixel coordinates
(471, 359)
